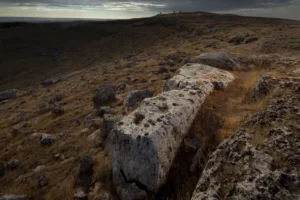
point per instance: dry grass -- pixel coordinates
(221, 115)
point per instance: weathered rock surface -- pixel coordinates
(136, 97)
(104, 95)
(222, 60)
(199, 77)
(8, 94)
(262, 159)
(143, 145)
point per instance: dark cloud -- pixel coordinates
(185, 5)
(271, 8)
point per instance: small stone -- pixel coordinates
(57, 111)
(13, 164)
(43, 181)
(165, 76)
(38, 168)
(80, 195)
(48, 141)
(85, 130)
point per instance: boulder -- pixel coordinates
(8, 94)
(143, 145)
(43, 181)
(135, 97)
(222, 60)
(47, 141)
(13, 164)
(104, 95)
(51, 81)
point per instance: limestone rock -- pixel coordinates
(222, 60)
(136, 97)
(143, 145)
(198, 76)
(8, 94)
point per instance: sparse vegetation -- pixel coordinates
(110, 49)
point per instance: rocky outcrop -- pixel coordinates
(262, 159)
(143, 145)
(222, 60)
(8, 94)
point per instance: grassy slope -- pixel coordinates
(103, 45)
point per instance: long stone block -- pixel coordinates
(143, 145)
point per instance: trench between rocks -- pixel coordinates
(221, 114)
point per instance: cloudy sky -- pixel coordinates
(121, 9)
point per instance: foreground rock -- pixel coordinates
(262, 159)
(222, 60)
(136, 97)
(143, 145)
(8, 94)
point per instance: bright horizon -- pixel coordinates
(117, 9)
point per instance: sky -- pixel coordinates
(124, 9)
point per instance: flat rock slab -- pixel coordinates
(143, 145)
